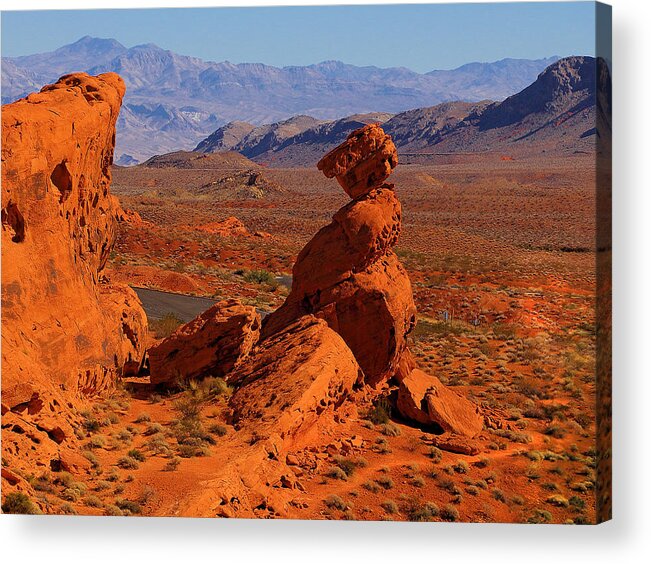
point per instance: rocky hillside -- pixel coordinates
(556, 114)
(294, 142)
(174, 101)
(67, 332)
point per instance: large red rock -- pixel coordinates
(348, 274)
(212, 344)
(287, 393)
(362, 162)
(424, 399)
(66, 331)
(292, 378)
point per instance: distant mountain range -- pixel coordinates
(556, 115)
(173, 101)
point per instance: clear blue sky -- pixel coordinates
(420, 37)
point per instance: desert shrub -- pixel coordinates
(42, 483)
(380, 412)
(558, 501)
(90, 456)
(158, 445)
(335, 502)
(218, 429)
(19, 503)
(555, 431)
(472, 490)
(336, 473)
(418, 482)
(483, 462)
(550, 486)
(127, 463)
(499, 495)
(513, 436)
(348, 465)
(127, 506)
(147, 495)
(153, 429)
(581, 487)
(371, 486)
(576, 502)
(98, 441)
(136, 455)
(102, 485)
(172, 464)
(449, 513)
(417, 511)
(385, 482)
(435, 454)
(143, 418)
(460, 467)
(68, 509)
(389, 506)
(390, 430)
(92, 501)
(91, 424)
(124, 436)
(165, 326)
(192, 451)
(113, 511)
(260, 276)
(539, 516)
(504, 331)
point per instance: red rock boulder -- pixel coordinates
(362, 162)
(212, 344)
(424, 399)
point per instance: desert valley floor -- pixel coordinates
(500, 256)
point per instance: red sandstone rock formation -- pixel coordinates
(230, 227)
(288, 391)
(213, 343)
(349, 276)
(348, 273)
(65, 332)
(424, 399)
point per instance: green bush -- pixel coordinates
(261, 277)
(19, 503)
(136, 455)
(335, 502)
(165, 326)
(380, 413)
(449, 513)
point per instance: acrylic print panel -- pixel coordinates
(248, 273)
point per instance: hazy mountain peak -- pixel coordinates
(160, 83)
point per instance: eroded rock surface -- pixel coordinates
(212, 344)
(289, 391)
(362, 162)
(66, 331)
(424, 399)
(348, 274)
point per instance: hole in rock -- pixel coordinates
(62, 179)
(13, 220)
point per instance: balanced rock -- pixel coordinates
(212, 344)
(424, 399)
(362, 162)
(348, 274)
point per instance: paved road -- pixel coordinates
(156, 304)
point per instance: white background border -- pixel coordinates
(625, 539)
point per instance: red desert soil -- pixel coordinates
(499, 255)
